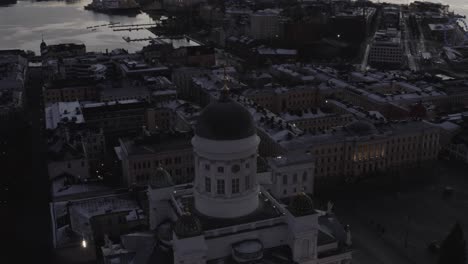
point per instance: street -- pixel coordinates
(30, 189)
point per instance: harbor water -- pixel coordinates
(24, 23)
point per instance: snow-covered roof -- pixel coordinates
(100, 104)
(63, 112)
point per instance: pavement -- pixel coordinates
(411, 217)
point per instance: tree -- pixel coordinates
(453, 249)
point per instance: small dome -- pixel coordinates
(225, 120)
(161, 178)
(187, 225)
(301, 204)
(361, 128)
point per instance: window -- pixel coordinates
(304, 176)
(207, 167)
(285, 179)
(235, 168)
(285, 192)
(207, 184)
(235, 186)
(220, 187)
(247, 182)
(247, 165)
(221, 169)
(295, 178)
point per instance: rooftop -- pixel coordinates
(157, 143)
(63, 112)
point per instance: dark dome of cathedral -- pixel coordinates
(361, 128)
(187, 225)
(225, 120)
(301, 204)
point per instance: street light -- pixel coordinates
(84, 244)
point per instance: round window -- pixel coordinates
(235, 168)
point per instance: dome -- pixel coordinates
(301, 204)
(225, 120)
(361, 128)
(43, 45)
(187, 225)
(161, 178)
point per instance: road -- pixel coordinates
(411, 60)
(31, 222)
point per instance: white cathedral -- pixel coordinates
(226, 216)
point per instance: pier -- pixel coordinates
(129, 29)
(128, 39)
(134, 25)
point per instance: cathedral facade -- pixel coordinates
(226, 216)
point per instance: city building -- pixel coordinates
(69, 90)
(386, 49)
(95, 218)
(290, 175)
(141, 156)
(62, 50)
(315, 120)
(361, 148)
(125, 90)
(66, 157)
(116, 118)
(130, 68)
(13, 74)
(265, 24)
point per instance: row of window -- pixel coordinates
(372, 166)
(234, 168)
(294, 178)
(156, 163)
(221, 186)
(392, 141)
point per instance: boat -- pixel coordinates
(114, 6)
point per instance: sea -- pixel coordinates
(23, 25)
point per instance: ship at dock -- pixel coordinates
(114, 6)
